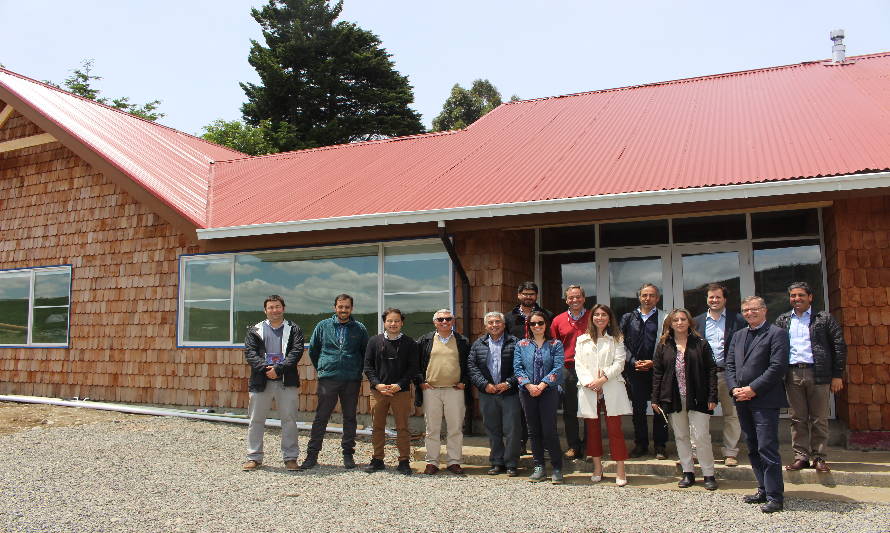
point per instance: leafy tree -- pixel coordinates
(464, 106)
(235, 134)
(80, 83)
(323, 82)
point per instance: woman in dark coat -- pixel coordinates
(684, 385)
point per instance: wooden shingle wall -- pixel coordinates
(857, 249)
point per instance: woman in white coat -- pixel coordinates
(599, 361)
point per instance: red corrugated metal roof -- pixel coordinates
(784, 123)
(172, 165)
(806, 120)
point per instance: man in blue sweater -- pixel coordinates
(337, 350)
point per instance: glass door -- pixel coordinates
(697, 265)
(622, 273)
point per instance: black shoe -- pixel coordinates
(348, 461)
(374, 466)
(660, 453)
(757, 497)
(638, 451)
(771, 506)
(687, 481)
(512, 472)
(311, 461)
(404, 468)
(496, 469)
(710, 483)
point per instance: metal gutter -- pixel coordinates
(849, 182)
(160, 411)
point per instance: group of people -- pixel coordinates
(595, 366)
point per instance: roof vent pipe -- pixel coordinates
(839, 50)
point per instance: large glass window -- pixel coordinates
(223, 295)
(416, 280)
(34, 306)
(562, 270)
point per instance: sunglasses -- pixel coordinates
(534, 324)
(444, 318)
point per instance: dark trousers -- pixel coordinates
(570, 411)
(540, 414)
(640, 384)
(328, 392)
(761, 427)
(500, 415)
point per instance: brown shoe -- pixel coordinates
(730, 461)
(292, 465)
(798, 464)
(572, 453)
(430, 469)
(820, 465)
(456, 470)
(251, 465)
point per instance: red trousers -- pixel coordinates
(617, 446)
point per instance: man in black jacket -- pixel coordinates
(816, 365)
(273, 348)
(717, 325)
(442, 380)
(391, 363)
(490, 365)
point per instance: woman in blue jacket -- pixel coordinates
(538, 362)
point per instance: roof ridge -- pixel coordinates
(111, 108)
(697, 78)
(340, 146)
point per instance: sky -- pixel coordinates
(191, 54)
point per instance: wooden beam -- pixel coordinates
(26, 142)
(5, 114)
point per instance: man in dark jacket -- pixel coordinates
(490, 365)
(391, 363)
(756, 363)
(516, 321)
(817, 360)
(337, 349)
(717, 325)
(442, 380)
(273, 348)
(641, 329)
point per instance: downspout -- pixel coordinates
(465, 291)
(464, 280)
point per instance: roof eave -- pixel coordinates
(848, 182)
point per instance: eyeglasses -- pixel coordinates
(528, 294)
(444, 318)
(536, 324)
(752, 309)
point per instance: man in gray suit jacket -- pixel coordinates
(717, 325)
(756, 363)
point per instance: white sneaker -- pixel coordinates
(620, 482)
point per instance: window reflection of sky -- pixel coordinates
(583, 274)
(777, 257)
(626, 275)
(14, 286)
(701, 269)
(51, 286)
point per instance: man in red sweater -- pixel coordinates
(567, 327)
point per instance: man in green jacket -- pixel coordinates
(337, 350)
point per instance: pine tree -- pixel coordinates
(323, 82)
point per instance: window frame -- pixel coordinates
(231, 258)
(32, 275)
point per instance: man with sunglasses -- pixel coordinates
(442, 379)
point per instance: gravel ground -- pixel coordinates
(150, 474)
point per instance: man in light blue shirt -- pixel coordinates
(490, 366)
(718, 325)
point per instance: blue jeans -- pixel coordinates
(500, 416)
(761, 427)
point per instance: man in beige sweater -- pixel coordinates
(443, 378)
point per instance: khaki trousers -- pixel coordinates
(809, 414)
(447, 402)
(732, 431)
(401, 406)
